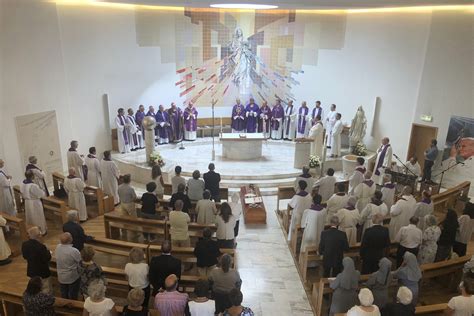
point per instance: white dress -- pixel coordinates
(93, 171)
(348, 220)
(6, 196)
(330, 121)
(336, 138)
(401, 213)
(316, 133)
(326, 187)
(110, 175)
(74, 160)
(364, 193)
(123, 143)
(5, 251)
(76, 199)
(299, 204)
(313, 224)
(421, 210)
(335, 203)
(34, 212)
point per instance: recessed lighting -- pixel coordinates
(243, 6)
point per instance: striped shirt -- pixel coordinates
(171, 303)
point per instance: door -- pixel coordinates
(420, 140)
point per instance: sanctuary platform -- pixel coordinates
(273, 169)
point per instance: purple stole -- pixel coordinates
(317, 207)
(124, 132)
(265, 110)
(306, 176)
(369, 182)
(361, 169)
(277, 113)
(175, 120)
(238, 124)
(350, 207)
(302, 119)
(252, 120)
(302, 193)
(190, 124)
(426, 201)
(32, 166)
(160, 118)
(389, 185)
(289, 120)
(381, 159)
(319, 111)
(27, 181)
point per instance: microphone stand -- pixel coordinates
(407, 170)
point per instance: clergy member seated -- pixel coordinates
(211, 182)
(332, 245)
(162, 266)
(326, 185)
(180, 195)
(300, 202)
(306, 177)
(74, 187)
(79, 238)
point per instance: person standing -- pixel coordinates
(413, 167)
(265, 119)
(137, 273)
(171, 302)
(176, 120)
(32, 195)
(462, 305)
(162, 121)
(75, 160)
(409, 274)
(206, 209)
(383, 161)
(225, 223)
(207, 252)
(430, 157)
(190, 122)
(139, 116)
(177, 179)
(211, 182)
(339, 200)
(37, 302)
(345, 287)
(290, 122)
(429, 244)
(7, 204)
(251, 113)
(238, 117)
(40, 176)
(357, 176)
(409, 239)
(134, 133)
(374, 242)
(37, 257)
(448, 235)
(74, 187)
(162, 266)
(223, 279)
(365, 191)
(317, 111)
(330, 121)
(79, 238)
(326, 185)
(376, 206)
(316, 133)
(379, 282)
(336, 137)
(401, 212)
(181, 195)
(423, 208)
(313, 223)
(306, 177)
(93, 169)
(122, 135)
(277, 117)
(332, 245)
(5, 250)
(179, 226)
(195, 187)
(110, 176)
(300, 202)
(388, 191)
(68, 261)
(127, 196)
(303, 120)
(464, 234)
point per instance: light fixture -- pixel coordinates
(243, 6)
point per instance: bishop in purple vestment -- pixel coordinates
(277, 120)
(252, 112)
(151, 112)
(139, 116)
(176, 121)
(190, 122)
(303, 112)
(238, 117)
(264, 121)
(318, 110)
(163, 124)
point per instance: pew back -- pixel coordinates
(17, 224)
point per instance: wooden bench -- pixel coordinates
(448, 198)
(17, 224)
(114, 221)
(19, 201)
(432, 310)
(115, 251)
(195, 230)
(56, 208)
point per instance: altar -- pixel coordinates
(242, 146)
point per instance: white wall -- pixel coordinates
(66, 58)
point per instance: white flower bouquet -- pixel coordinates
(360, 149)
(156, 159)
(314, 161)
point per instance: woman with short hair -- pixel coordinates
(223, 280)
(137, 273)
(236, 309)
(202, 305)
(97, 303)
(430, 238)
(195, 186)
(157, 177)
(367, 307)
(36, 302)
(90, 270)
(135, 299)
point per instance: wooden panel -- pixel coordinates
(255, 214)
(420, 140)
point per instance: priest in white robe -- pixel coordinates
(5, 251)
(413, 167)
(336, 137)
(7, 204)
(330, 121)
(316, 134)
(326, 185)
(40, 175)
(313, 221)
(306, 177)
(383, 161)
(388, 191)
(401, 212)
(75, 160)
(289, 128)
(74, 187)
(110, 176)
(337, 201)
(357, 175)
(422, 209)
(375, 206)
(349, 217)
(93, 169)
(364, 191)
(122, 135)
(300, 202)
(32, 194)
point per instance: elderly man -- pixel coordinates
(384, 160)
(179, 226)
(6, 196)
(39, 174)
(413, 167)
(401, 212)
(162, 266)
(337, 201)
(75, 229)
(74, 187)
(211, 182)
(68, 260)
(326, 185)
(409, 238)
(32, 195)
(300, 202)
(37, 257)
(75, 160)
(171, 302)
(374, 242)
(332, 245)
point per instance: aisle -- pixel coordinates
(271, 284)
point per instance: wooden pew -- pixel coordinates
(285, 193)
(114, 221)
(195, 230)
(167, 189)
(17, 224)
(19, 202)
(224, 194)
(116, 251)
(448, 198)
(56, 207)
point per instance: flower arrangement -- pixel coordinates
(360, 149)
(314, 161)
(156, 159)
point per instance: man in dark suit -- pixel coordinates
(73, 227)
(38, 257)
(211, 182)
(374, 244)
(162, 266)
(332, 246)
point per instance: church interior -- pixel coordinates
(267, 157)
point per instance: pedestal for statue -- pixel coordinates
(149, 124)
(302, 152)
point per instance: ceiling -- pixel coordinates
(303, 4)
